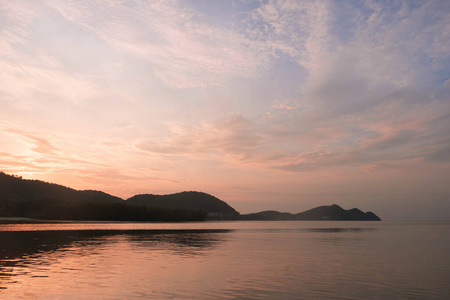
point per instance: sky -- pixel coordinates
(283, 105)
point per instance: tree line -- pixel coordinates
(57, 209)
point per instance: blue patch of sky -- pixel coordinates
(442, 74)
(222, 12)
(254, 97)
(347, 19)
(287, 75)
(355, 136)
(233, 14)
(351, 16)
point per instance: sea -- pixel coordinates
(226, 260)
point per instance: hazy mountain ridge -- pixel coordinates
(322, 213)
(38, 199)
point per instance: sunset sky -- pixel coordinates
(281, 105)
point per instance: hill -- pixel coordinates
(322, 213)
(216, 208)
(16, 188)
(268, 215)
(22, 198)
(335, 212)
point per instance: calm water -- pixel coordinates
(226, 260)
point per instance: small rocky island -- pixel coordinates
(26, 200)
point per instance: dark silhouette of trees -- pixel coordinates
(41, 200)
(57, 209)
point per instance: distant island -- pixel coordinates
(25, 200)
(322, 213)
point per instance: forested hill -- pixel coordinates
(16, 188)
(335, 212)
(216, 208)
(42, 200)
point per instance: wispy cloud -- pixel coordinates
(183, 49)
(233, 136)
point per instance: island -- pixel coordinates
(322, 213)
(25, 200)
